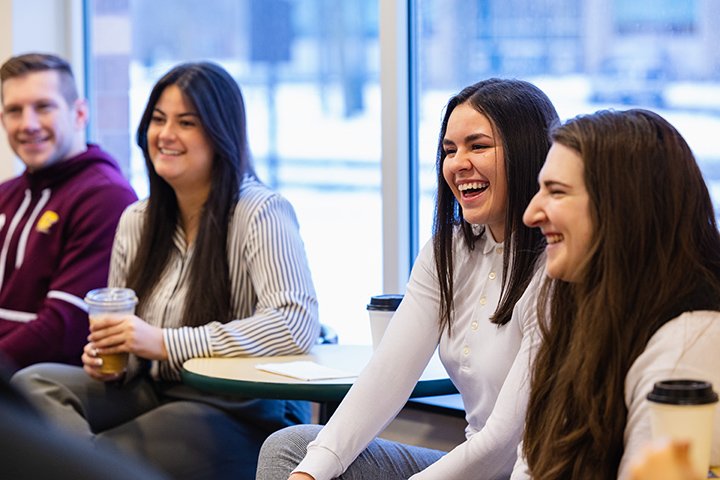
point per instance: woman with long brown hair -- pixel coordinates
(633, 260)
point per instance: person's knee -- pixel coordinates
(291, 439)
(24, 380)
(49, 385)
(43, 377)
(287, 447)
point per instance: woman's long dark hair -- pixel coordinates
(521, 115)
(655, 254)
(220, 108)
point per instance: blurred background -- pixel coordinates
(311, 73)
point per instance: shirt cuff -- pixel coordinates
(185, 343)
(321, 463)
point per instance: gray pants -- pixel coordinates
(186, 433)
(382, 459)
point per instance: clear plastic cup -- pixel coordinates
(111, 302)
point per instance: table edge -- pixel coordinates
(299, 391)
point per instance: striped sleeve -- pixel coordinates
(272, 290)
(185, 343)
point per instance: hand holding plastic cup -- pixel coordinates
(381, 309)
(683, 410)
(111, 303)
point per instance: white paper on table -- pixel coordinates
(304, 370)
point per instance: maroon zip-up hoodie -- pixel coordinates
(56, 232)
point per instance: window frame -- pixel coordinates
(400, 184)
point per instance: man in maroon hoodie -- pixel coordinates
(57, 219)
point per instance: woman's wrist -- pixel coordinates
(301, 476)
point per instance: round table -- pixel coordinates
(239, 376)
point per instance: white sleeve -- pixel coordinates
(520, 470)
(686, 347)
(385, 384)
(491, 452)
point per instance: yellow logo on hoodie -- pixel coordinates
(47, 220)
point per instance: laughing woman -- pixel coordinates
(633, 260)
(470, 295)
(219, 268)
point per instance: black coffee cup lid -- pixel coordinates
(683, 392)
(388, 302)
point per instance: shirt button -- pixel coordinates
(466, 351)
(499, 250)
(491, 276)
(474, 325)
(483, 300)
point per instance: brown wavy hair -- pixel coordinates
(655, 253)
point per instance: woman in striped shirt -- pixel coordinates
(219, 268)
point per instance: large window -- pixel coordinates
(585, 54)
(309, 73)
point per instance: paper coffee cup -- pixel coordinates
(684, 410)
(381, 310)
(111, 302)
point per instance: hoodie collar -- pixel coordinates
(61, 171)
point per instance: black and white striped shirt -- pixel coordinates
(273, 298)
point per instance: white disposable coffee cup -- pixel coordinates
(683, 410)
(381, 310)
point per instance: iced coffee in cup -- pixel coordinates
(111, 302)
(381, 309)
(684, 410)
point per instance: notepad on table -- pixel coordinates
(304, 370)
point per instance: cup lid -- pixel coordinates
(111, 297)
(388, 302)
(683, 392)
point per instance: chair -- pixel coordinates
(328, 336)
